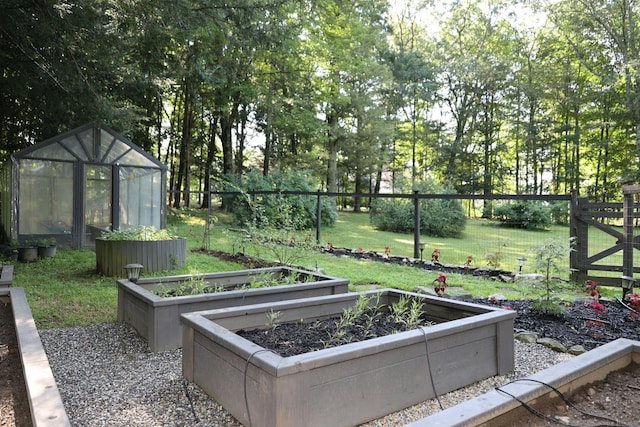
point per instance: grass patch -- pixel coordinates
(65, 291)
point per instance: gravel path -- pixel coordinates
(107, 377)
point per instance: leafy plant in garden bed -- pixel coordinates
(153, 305)
(144, 233)
(363, 320)
(198, 284)
(156, 250)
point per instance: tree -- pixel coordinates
(345, 38)
(606, 32)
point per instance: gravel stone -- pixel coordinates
(108, 377)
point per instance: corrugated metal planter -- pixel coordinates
(45, 403)
(158, 319)
(497, 408)
(349, 384)
(155, 255)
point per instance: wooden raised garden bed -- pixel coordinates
(497, 408)
(45, 403)
(157, 318)
(154, 255)
(348, 384)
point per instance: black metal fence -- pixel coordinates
(416, 197)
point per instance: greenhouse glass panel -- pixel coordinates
(53, 152)
(97, 204)
(80, 147)
(140, 197)
(46, 204)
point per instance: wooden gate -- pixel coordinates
(614, 219)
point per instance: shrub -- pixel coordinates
(529, 215)
(280, 211)
(547, 258)
(438, 217)
(560, 213)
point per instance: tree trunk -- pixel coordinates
(211, 155)
(332, 148)
(226, 125)
(357, 202)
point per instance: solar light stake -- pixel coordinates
(521, 261)
(133, 271)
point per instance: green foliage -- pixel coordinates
(348, 319)
(529, 215)
(145, 233)
(560, 213)
(547, 257)
(438, 217)
(268, 279)
(194, 285)
(408, 310)
(494, 258)
(550, 307)
(280, 245)
(279, 211)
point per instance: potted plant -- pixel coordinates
(27, 251)
(47, 247)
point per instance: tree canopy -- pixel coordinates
(364, 95)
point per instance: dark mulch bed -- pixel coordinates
(581, 324)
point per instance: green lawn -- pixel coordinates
(65, 291)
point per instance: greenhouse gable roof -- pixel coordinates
(91, 143)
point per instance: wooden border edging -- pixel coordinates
(45, 403)
(6, 275)
(496, 408)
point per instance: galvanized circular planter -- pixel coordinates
(154, 255)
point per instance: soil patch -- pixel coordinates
(293, 338)
(14, 405)
(616, 398)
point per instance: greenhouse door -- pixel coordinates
(97, 202)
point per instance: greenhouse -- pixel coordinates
(78, 184)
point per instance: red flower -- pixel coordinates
(599, 308)
(591, 284)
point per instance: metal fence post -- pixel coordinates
(318, 217)
(416, 224)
